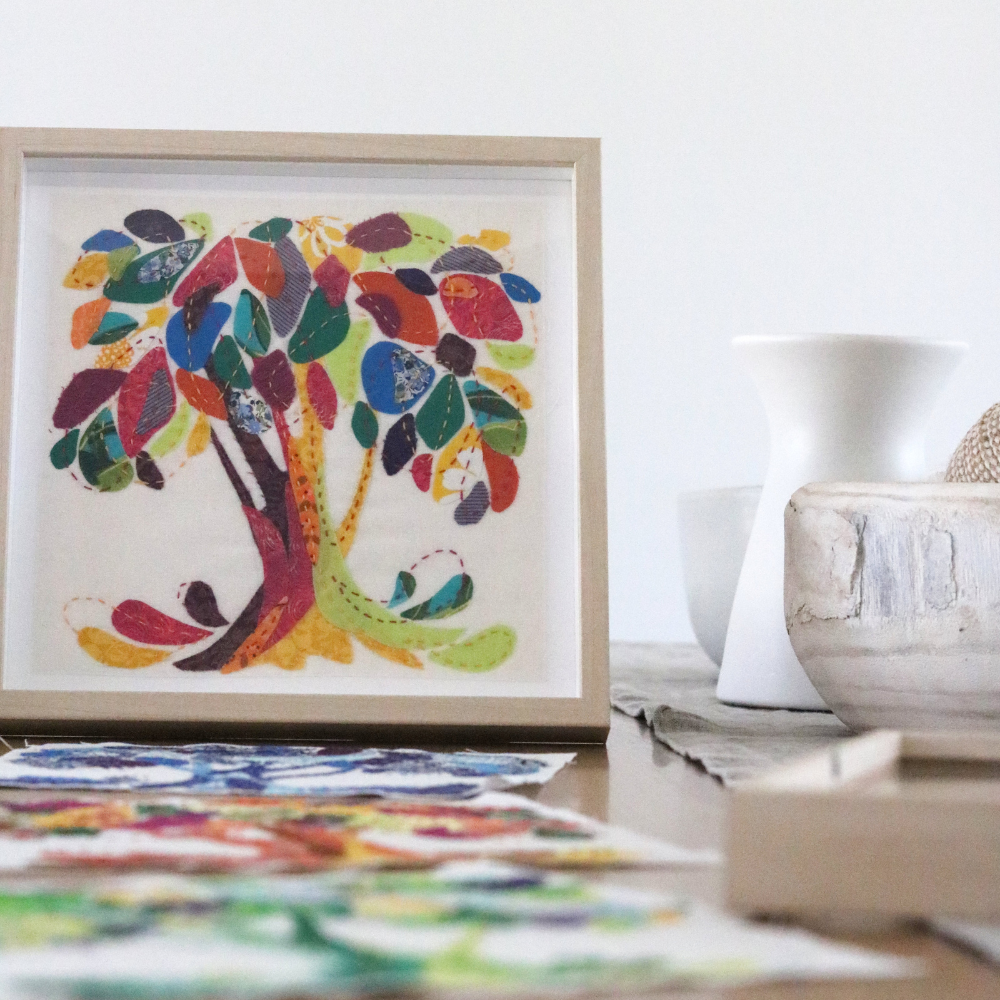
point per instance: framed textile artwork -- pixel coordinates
(301, 432)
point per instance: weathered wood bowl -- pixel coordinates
(892, 601)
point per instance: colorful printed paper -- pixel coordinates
(212, 768)
(463, 927)
(257, 836)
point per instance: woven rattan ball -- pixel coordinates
(977, 458)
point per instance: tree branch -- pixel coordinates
(234, 477)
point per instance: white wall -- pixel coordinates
(768, 167)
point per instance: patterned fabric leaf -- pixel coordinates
(507, 384)
(468, 258)
(394, 378)
(284, 309)
(149, 278)
(146, 402)
(101, 456)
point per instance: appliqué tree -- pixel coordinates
(269, 332)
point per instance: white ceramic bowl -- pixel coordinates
(892, 601)
(715, 527)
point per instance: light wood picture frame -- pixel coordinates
(223, 315)
(889, 824)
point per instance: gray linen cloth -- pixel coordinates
(672, 687)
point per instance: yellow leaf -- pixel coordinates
(88, 272)
(317, 237)
(313, 635)
(488, 239)
(115, 652)
(465, 440)
(350, 257)
(154, 317)
(403, 656)
(201, 434)
(116, 355)
(507, 384)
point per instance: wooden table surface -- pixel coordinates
(636, 782)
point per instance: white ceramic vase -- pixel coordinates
(840, 407)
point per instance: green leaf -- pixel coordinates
(449, 600)
(321, 329)
(149, 278)
(484, 651)
(343, 364)
(510, 356)
(119, 259)
(364, 423)
(272, 230)
(442, 415)
(64, 450)
(430, 239)
(114, 326)
(102, 457)
(251, 325)
(199, 223)
(489, 405)
(508, 437)
(171, 435)
(229, 365)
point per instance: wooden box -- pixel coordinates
(886, 824)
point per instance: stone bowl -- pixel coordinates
(892, 601)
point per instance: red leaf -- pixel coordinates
(421, 470)
(217, 267)
(384, 232)
(333, 278)
(87, 390)
(146, 401)
(479, 308)
(322, 394)
(139, 622)
(502, 473)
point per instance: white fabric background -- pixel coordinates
(71, 543)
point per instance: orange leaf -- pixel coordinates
(262, 266)
(86, 319)
(201, 394)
